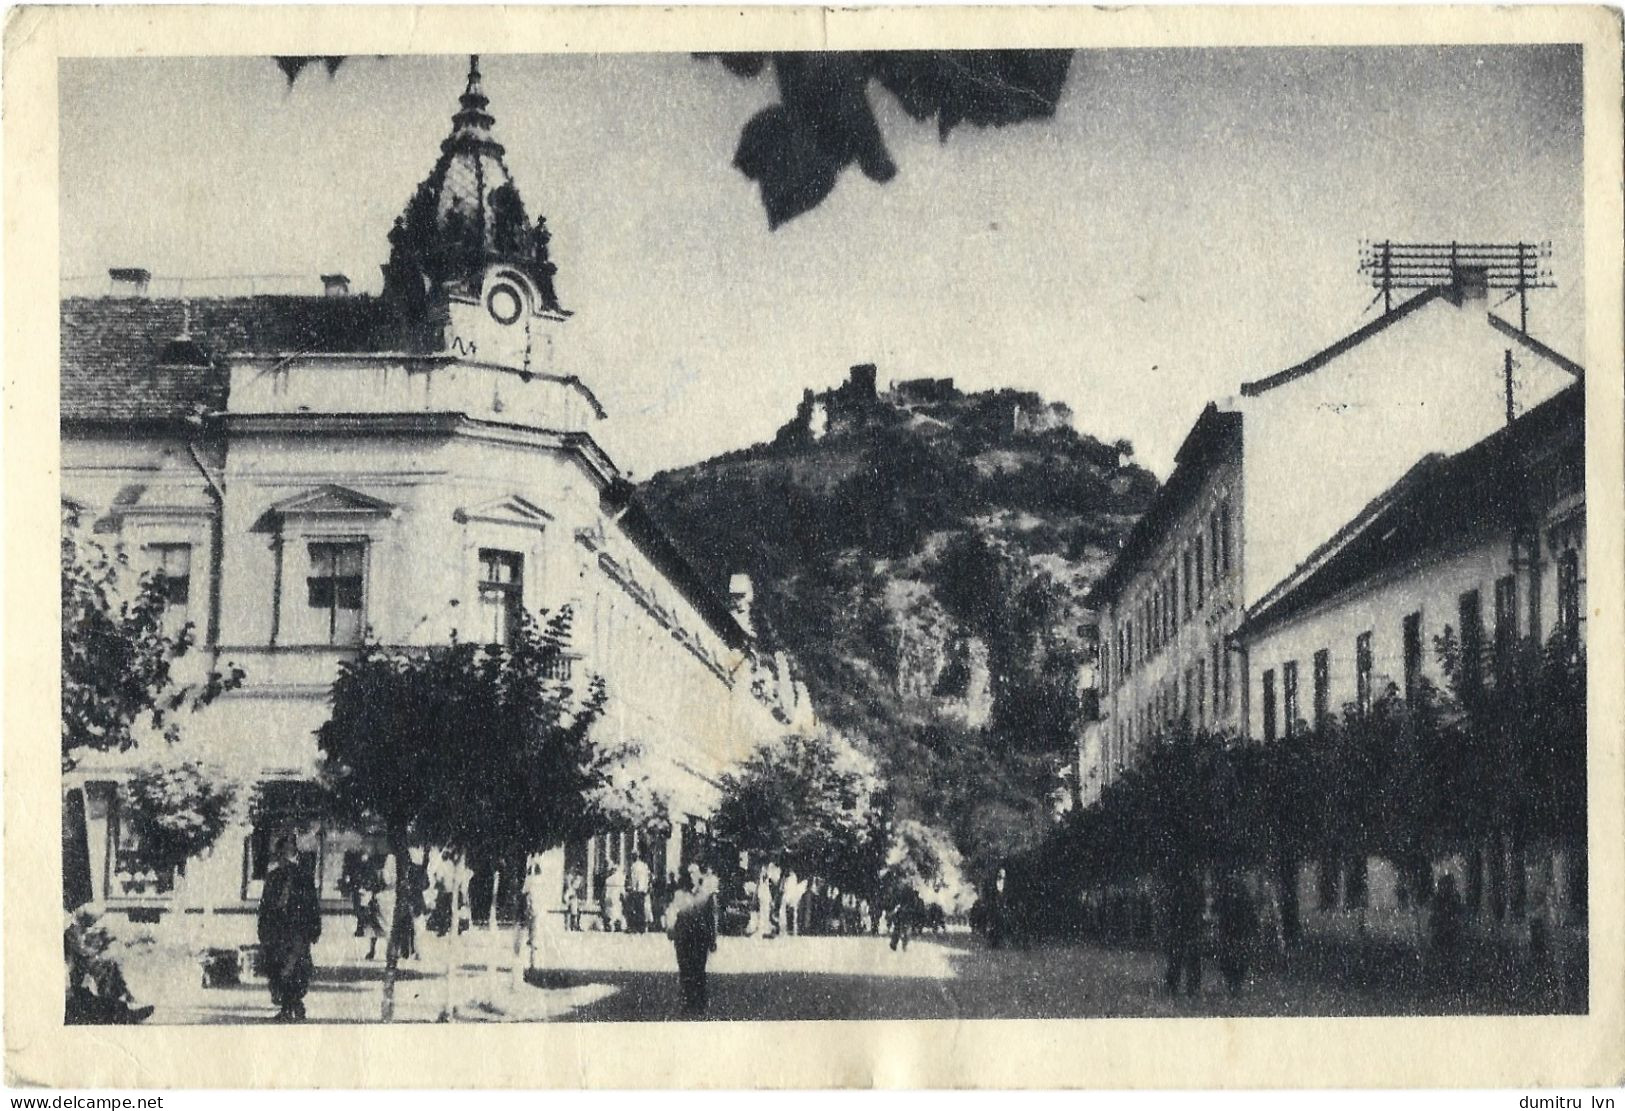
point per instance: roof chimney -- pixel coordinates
(336, 285)
(1472, 283)
(129, 281)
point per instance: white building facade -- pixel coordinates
(1303, 450)
(1487, 545)
(310, 471)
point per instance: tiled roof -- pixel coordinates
(120, 362)
(1435, 503)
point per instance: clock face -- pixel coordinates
(504, 303)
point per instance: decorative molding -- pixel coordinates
(510, 509)
(332, 500)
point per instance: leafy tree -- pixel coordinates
(117, 657)
(177, 812)
(809, 802)
(477, 749)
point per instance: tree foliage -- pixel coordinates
(812, 802)
(473, 748)
(1496, 752)
(177, 811)
(117, 657)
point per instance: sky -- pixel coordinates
(1189, 219)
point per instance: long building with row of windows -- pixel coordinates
(308, 471)
(1210, 618)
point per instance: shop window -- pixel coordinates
(134, 874)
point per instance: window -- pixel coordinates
(1227, 701)
(1469, 610)
(1356, 882)
(1568, 593)
(1201, 575)
(1218, 709)
(1534, 595)
(1323, 683)
(1224, 533)
(1289, 695)
(1362, 672)
(172, 571)
(1506, 619)
(334, 591)
(1201, 692)
(1269, 704)
(1213, 543)
(1412, 632)
(1185, 558)
(502, 595)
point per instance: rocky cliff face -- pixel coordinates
(923, 553)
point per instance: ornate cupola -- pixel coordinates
(465, 237)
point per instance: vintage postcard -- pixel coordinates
(793, 547)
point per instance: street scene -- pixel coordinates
(1012, 534)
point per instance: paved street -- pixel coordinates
(597, 977)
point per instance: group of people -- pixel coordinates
(783, 904)
(396, 907)
(635, 897)
(1236, 926)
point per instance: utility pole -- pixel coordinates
(1507, 375)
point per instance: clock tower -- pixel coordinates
(468, 272)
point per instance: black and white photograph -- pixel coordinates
(1065, 532)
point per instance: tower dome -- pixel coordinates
(465, 216)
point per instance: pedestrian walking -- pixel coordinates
(1184, 932)
(290, 921)
(1445, 930)
(693, 933)
(614, 908)
(385, 909)
(904, 920)
(1238, 925)
(572, 901)
(532, 911)
(764, 904)
(996, 913)
(637, 895)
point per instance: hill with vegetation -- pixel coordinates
(923, 553)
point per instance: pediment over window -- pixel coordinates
(332, 501)
(511, 509)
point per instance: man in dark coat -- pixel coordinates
(693, 930)
(1238, 923)
(1185, 905)
(290, 921)
(996, 913)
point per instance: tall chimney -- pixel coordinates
(336, 285)
(129, 281)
